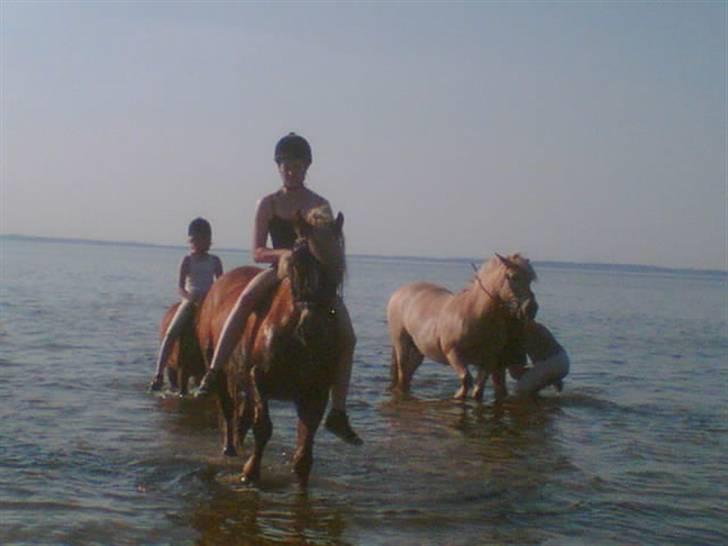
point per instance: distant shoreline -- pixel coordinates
(593, 266)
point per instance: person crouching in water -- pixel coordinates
(274, 216)
(197, 271)
(550, 363)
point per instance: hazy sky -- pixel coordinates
(568, 131)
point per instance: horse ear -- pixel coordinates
(339, 222)
(505, 261)
(300, 224)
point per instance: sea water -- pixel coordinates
(631, 452)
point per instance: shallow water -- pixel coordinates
(632, 452)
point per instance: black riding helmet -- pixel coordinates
(293, 146)
(199, 226)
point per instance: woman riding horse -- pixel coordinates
(290, 345)
(274, 216)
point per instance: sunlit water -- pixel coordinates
(632, 452)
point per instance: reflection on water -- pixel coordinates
(433, 467)
(267, 514)
(630, 452)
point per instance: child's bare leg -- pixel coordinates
(234, 325)
(337, 420)
(180, 318)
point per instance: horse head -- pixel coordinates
(317, 262)
(509, 279)
(316, 266)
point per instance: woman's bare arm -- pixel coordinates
(261, 252)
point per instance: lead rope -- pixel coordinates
(477, 278)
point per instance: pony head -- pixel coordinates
(508, 279)
(317, 264)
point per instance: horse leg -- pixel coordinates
(406, 358)
(412, 360)
(310, 412)
(466, 380)
(401, 340)
(184, 379)
(499, 383)
(227, 408)
(480, 381)
(262, 430)
(172, 377)
(246, 417)
(395, 366)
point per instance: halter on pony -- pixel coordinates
(518, 307)
(316, 264)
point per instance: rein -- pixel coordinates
(477, 278)
(303, 295)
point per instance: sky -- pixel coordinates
(572, 131)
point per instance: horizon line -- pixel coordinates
(567, 263)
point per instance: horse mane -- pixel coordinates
(523, 263)
(335, 258)
(320, 216)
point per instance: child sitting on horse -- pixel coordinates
(197, 271)
(550, 363)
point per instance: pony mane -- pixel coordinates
(319, 216)
(523, 263)
(322, 218)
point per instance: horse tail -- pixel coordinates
(393, 371)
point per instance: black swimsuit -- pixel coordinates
(282, 232)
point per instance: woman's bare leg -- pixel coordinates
(261, 284)
(337, 420)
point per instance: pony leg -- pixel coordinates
(173, 377)
(395, 368)
(227, 408)
(401, 340)
(262, 430)
(246, 417)
(480, 381)
(413, 359)
(499, 383)
(184, 379)
(466, 380)
(310, 412)
(406, 358)
(188, 352)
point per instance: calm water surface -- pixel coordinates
(632, 452)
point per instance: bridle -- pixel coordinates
(512, 305)
(317, 293)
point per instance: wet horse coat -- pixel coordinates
(467, 328)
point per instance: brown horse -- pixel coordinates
(471, 327)
(289, 346)
(185, 359)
